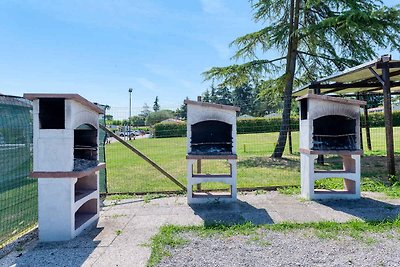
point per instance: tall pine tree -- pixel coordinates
(314, 38)
(156, 106)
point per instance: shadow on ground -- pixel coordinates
(62, 253)
(231, 213)
(268, 162)
(365, 208)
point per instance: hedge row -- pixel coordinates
(170, 129)
(263, 125)
(377, 119)
(254, 125)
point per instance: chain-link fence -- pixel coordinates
(102, 151)
(18, 192)
(166, 144)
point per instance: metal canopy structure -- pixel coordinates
(360, 79)
(379, 76)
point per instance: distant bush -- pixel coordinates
(377, 119)
(253, 125)
(170, 129)
(264, 125)
(158, 116)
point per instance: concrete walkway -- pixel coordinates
(125, 227)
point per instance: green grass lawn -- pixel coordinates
(127, 172)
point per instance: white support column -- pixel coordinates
(233, 180)
(190, 163)
(307, 175)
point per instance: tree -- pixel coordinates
(373, 101)
(156, 106)
(181, 112)
(206, 96)
(108, 117)
(223, 95)
(145, 111)
(159, 116)
(213, 95)
(243, 97)
(137, 121)
(314, 38)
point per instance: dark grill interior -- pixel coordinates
(334, 132)
(52, 113)
(85, 142)
(211, 138)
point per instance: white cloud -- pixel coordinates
(214, 6)
(145, 83)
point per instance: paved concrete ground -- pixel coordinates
(125, 227)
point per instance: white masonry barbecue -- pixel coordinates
(211, 135)
(330, 125)
(65, 161)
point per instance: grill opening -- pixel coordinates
(85, 142)
(211, 137)
(334, 132)
(52, 113)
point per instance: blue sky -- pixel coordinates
(99, 49)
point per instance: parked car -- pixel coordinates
(139, 132)
(127, 134)
(132, 133)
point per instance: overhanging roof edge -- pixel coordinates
(338, 74)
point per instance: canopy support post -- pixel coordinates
(387, 105)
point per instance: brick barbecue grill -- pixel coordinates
(65, 161)
(211, 135)
(330, 125)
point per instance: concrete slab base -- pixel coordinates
(125, 227)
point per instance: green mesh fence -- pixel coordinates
(18, 192)
(102, 155)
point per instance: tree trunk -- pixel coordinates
(289, 73)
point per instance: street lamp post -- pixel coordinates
(130, 112)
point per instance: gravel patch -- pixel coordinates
(290, 248)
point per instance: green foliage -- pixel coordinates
(159, 116)
(137, 121)
(145, 111)
(264, 125)
(377, 119)
(332, 35)
(289, 190)
(108, 117)
(206, 97)
(162, 130)
(253, 125)
(244, 97)
(156, 106)
(224, 96)
(160, 243)
(181, 112)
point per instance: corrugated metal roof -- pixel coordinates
(361, 75)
